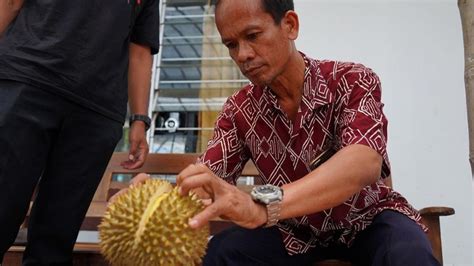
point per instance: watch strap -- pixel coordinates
(144, 118)
(273, 213)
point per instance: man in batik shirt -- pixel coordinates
(295, 109)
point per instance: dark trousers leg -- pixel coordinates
(74, 168)
(392, 240)
(77, 146)
(239, 246)
(25, 139)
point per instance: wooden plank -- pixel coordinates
(82, 255)
(156, 163)
(171, 163)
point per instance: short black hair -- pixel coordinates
(276, 8)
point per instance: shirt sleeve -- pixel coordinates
(225, 154)
(362, 120)
(146, 30)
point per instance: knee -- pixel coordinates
(240, 246)
(220, 249)
(410, 253)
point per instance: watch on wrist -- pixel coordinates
(270, 196)
(144, 118)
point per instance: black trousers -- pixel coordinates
(63, 148)
(391, 240)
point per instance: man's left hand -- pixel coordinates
(138, 146)
(227, 201)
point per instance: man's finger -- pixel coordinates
(132, 156)
(135, 164)
(140, 160)
(195, 181)
(206, 202)
(140, 178)
(134, 152)
(139, 156)
(203, 218)
(190, 170)
(200, 193)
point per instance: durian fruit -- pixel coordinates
(148, 225)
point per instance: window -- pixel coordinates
(193, 77)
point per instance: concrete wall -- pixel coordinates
(416, 49)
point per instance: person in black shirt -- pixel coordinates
(66, 68)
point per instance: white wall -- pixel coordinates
(416, 49)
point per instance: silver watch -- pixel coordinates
(271, 196)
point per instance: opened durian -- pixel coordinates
(148, 225)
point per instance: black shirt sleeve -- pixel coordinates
(146, 30)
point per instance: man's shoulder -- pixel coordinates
(333, 72)
(332, 69)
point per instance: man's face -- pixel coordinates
(260, 47)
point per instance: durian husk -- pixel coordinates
(148, 225)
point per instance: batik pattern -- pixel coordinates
(341, 106)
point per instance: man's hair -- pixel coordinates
(276, 8)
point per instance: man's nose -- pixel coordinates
(246, 53)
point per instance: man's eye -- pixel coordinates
(252, 36)
(230, 45)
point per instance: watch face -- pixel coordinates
(266, 189)
(267, 194)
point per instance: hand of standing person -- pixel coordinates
(139, 79)
(138, 146)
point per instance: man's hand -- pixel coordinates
(228, 201)
(140, 178)
(139, 76)
(138, 146)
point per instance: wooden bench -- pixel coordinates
(159, 164)
(171, 164)
(156, 164)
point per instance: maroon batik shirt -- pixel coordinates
(341, 105)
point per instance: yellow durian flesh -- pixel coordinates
(148, 225)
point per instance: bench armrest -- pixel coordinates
(437, 211)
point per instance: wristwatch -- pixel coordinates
(144, 118)
(270, 196)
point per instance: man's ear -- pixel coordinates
(291, 24)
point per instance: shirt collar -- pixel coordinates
(316, 92)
